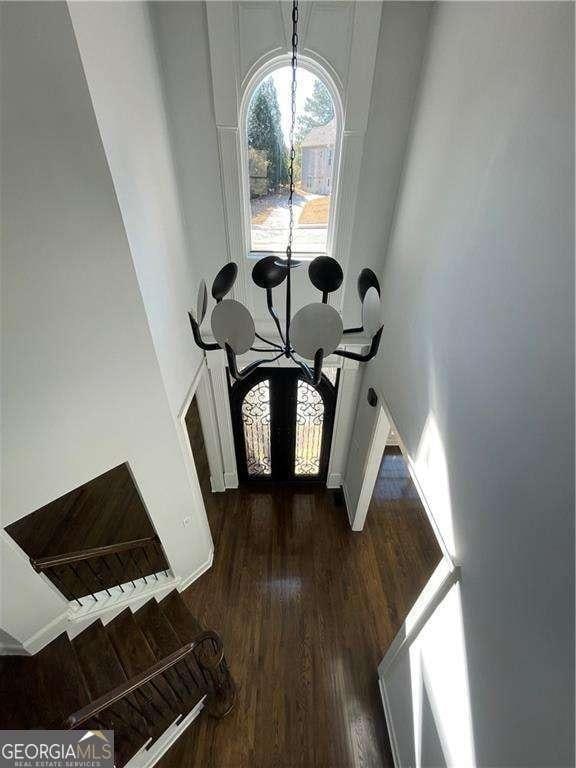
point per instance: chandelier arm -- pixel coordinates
(198, 339)
(239, 375)
(318, 360)
(363, 358)
(273, 314)
(313, 376)
(305, 368)
(267, 341)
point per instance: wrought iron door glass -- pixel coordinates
(309, 428)
(256, 425)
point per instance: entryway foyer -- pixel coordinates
(372, 562)
(321, 603)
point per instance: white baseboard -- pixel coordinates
(184, 583)
(13, 649)
(217, 484)
(389, 723)
(334, 480)
(231, 479)
(146, 758)
(46, 634)
(347, 502)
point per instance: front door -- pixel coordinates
(282, 426)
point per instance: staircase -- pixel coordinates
(145, 675)
(95, 543)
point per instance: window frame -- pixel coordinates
(261, 74)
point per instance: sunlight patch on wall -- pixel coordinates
(431, 470)
(440, 690)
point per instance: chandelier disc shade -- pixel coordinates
(202, 302)
(325, 274)
(232, 325)
(367, 279)
(224, 281)
(371, 311)
(269, 273)
(316, 329)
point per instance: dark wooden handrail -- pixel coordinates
(44, 563)
(116, 694)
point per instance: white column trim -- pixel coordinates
(378, 441)
(350, 375)
(211, 432)
(219, 380)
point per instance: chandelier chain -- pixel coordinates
(287, 347)
(293, 123)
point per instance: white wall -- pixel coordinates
(477, 364)
(401, 46)
(119, 59)
(81, 386)
(182, 44)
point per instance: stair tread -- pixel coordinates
(158, 702)
(58, 670)
(158, 631)
(17, 681)
(103, 672)
(91, 646)
(105, 510)
(132, 649)
(162, 638)
(184, 623)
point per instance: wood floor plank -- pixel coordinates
(306, 609)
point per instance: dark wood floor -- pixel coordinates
(307, 610)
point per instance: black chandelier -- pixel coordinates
(315, 330)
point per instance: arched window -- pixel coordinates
(266, 127)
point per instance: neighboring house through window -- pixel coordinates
(267, 126)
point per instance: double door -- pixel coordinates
(282, 426)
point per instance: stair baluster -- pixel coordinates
(79, 574)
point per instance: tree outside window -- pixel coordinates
(267, 129)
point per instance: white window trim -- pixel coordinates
(252, 84)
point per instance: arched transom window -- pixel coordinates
(267, 142)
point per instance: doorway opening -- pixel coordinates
(198, 447)
(282, 426)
